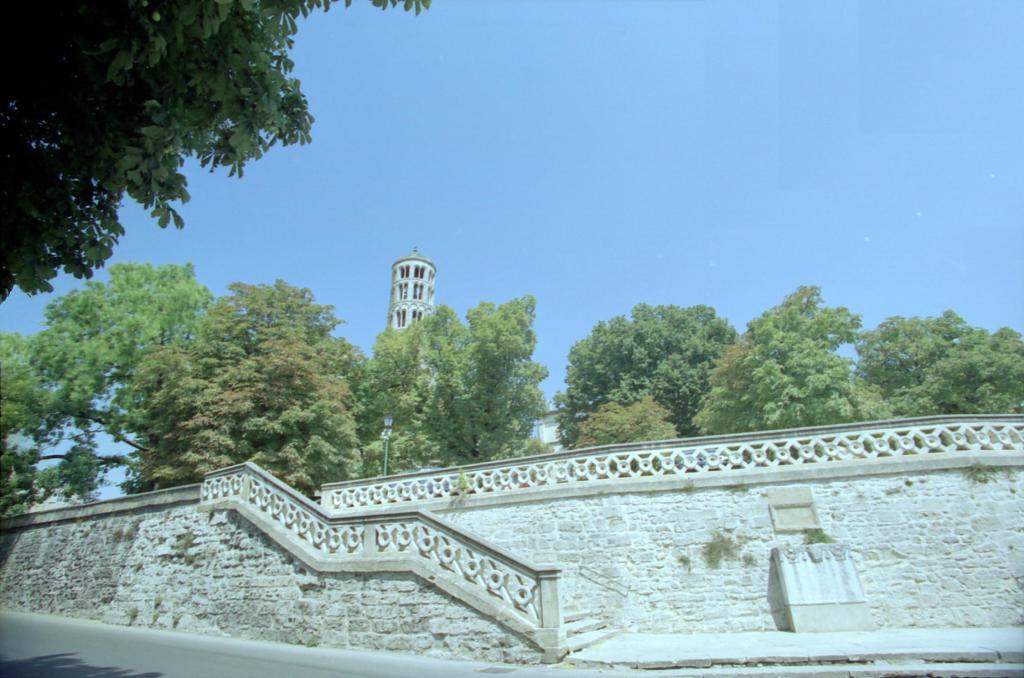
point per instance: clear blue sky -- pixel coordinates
(600, 154)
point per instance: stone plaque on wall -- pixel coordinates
(792, 509)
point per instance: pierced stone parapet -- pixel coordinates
(514, 586)
(677, 458)
(493, 581)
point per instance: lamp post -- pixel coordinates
(386, 436)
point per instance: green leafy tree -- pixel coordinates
(532, 447)
(665, 352)
(458, 392)
(21, 396)
(785, 372)
(395, 382)
(263, 380)
(110, 98)
(943, 366)
(68, 384)
(614, 423)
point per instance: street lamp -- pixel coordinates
(385, 436)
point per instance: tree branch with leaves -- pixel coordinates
(109, 99)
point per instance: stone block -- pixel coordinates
(816, 588)
(792, 509)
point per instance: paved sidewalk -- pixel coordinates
(660, 651)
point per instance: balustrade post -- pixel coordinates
(369, 540)
(551, 634)
(549, 608)
(246, 489)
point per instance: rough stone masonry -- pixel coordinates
(937, 539)
(214, 573)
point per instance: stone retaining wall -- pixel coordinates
(937, 534)
(933, 548)
(215, 573)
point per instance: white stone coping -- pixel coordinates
(375, 517)
(185, 494)
(661, 464)
(726, 479)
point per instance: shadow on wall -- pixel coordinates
(65, 665)
(7, 543)
(776, 599)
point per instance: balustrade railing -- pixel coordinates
(658, 460)
(414, 537)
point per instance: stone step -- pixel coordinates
(578, 626)
(582, 640)
(577, 615)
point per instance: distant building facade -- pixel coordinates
(413, 279)
(545, 430)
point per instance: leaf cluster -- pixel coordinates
(943, 365)
(149, 360)
(785, 371)
(663, 352)
(789, 369)
(110, 98)
(64, 389)
(458, 392)
(264, 380)
(615, 423)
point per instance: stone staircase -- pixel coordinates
(584, 628)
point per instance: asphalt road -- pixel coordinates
(43, 646)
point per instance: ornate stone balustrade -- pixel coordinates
(677, 458)
(522, 596)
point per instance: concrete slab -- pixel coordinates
(883, 670)
(663, 651)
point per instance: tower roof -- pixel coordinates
(417, 256)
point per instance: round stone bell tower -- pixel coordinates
(412, 290)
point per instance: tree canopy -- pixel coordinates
(785, 372)
(614, 423)
(110, 98)
(665, 352)
(149, 360)
(458, 392)
(263, 381)
(66, 389)
(21, 411)
(943, 365)
(188, 383)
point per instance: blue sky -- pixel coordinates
(597, 154)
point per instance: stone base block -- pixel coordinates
(815, 588)
(827, 617)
